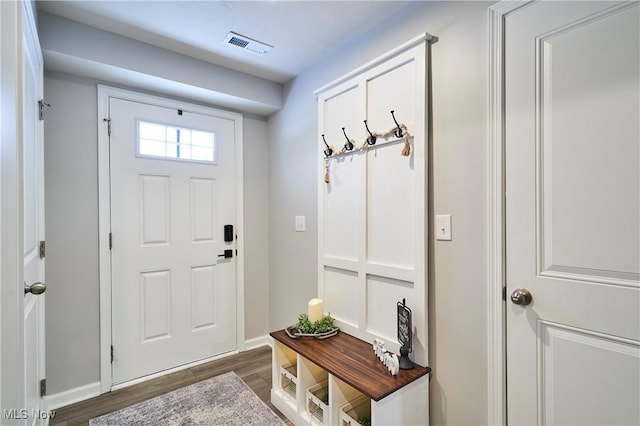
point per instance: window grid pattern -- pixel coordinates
(175, 143)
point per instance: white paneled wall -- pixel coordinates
(372, 219)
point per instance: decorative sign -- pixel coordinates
(404, 324)
(405, 335)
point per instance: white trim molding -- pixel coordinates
(497, 361)
(104, 217)
(104, 253)
(71, 396)
(379, 60)
(258, 342)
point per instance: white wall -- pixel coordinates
(71, 190)
(457, 269)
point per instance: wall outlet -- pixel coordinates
(443, 227)
(300, 225)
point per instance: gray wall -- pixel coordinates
(71, 197)
(71, 227)
(286, 186)
(256, 227)
(457, 269)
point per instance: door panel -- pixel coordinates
(589, 104)
(568, 390)
(174, 298)
(573, 212)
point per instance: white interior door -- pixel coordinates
(172, 193)
(33, 232)
(573, 213)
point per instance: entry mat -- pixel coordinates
(220, 400)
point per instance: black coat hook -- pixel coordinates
(398, 131)
(371, 140)
(347, 146)
(328, 151)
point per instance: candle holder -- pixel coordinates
(321, 329)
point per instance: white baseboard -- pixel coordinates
(71, 396)
(257, 342)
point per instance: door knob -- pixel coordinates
(521, 296)
(35, 288)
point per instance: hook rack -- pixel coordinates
(371, 140)
(328, 151)
(398, 131)
(349, 145)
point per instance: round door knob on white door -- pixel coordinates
(35, 288)
(521, 296)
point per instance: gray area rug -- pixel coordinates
(220, 400)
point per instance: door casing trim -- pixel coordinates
(104, 213)
(496, 246)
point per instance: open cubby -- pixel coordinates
(317, 400)
(289, 379)
(285, 374)
(356, 382)
(312, 378)
(356, 412)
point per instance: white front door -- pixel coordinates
(33, 225)
(172, 194)
(573, 213)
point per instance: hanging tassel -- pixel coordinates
(406, 150)
(326, 170)
(407, 146)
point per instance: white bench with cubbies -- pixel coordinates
(360, 389)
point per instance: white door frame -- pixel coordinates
(104, 215)
(11, 271)
(497, 362)
(16, 19)
(31, 47)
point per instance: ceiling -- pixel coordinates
(301, 31)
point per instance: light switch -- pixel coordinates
(443, 227)
(300, 225)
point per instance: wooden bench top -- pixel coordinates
(352, 361)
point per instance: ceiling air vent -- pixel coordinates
(247, 43)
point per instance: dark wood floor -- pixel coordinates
(254, 367)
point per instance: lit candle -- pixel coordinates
(316, 310)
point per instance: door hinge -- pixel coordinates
(41, 105)
(42, 250)
(110, 240)
(111, 354)
(43, 387)
(108, 121)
